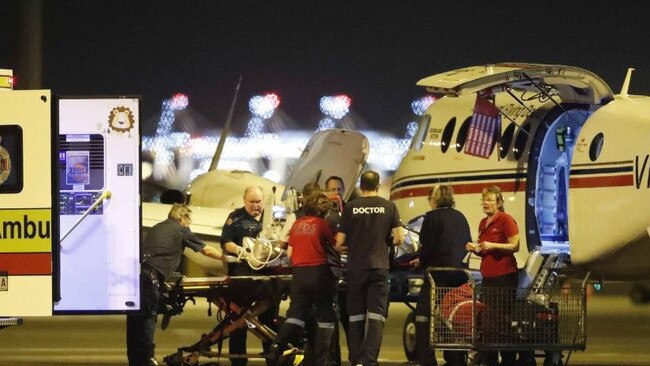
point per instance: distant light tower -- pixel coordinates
(420, 105)
(262, 107)
(334, 108)
(163, 143)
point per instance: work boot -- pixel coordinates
(322, 346)
(426, 353)
(273, 357)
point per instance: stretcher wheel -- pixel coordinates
(175, 359)
(408, 337)
(182, 359)
(553, 359)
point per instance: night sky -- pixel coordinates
(374, 51)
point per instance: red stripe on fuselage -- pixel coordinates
(601, 182)
(26, 263)
(469, 188)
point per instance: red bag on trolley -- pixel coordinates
(456, 309)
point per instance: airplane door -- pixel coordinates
(328, 153)
(99, 200)
(549, 198)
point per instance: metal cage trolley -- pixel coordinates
(547, 316)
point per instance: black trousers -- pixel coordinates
(244, 295)
(312, 294)
(344, 318)
(367, 305)
(424, 350)
(141, 326)
(498, 293)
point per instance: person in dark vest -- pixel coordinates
(443, 236)
(162, 252)
(335, 188)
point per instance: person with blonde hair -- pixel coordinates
(443, 236)
(162, 251)
(498, 241)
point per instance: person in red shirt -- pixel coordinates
(313, 284)
(498, 240)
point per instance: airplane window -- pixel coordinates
(520, 141)
(422, 132)
(447, 133)
(462, 134)
(596, 146)
(506, 140)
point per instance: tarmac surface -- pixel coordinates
(618, 333)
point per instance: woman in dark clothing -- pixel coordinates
(442, 244)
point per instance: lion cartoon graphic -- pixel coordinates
(121, 119)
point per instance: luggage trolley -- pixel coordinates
(548, 317)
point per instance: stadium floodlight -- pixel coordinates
(335, 106)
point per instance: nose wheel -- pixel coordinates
(408, 337)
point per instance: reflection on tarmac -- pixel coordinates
(618, 333)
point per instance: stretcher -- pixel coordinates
(239, 300)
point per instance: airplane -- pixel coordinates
(216, 193)
(570, 157)
(570, 172)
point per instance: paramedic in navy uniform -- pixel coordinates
(365, 231)
(162, 252)
(246, 221)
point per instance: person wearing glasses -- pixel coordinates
(498, 241)
(443, 236)
(162, 251)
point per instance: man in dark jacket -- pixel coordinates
(368, 226)
(161, 255)
(247, 222)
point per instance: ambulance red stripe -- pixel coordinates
(26, 263)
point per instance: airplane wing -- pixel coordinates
(572, 83)
(207, 223)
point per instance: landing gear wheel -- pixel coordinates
(639, 294)
(408, 337)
